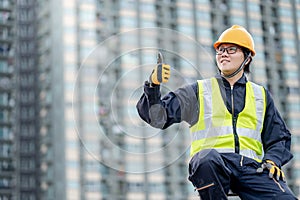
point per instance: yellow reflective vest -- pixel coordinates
(215, 129)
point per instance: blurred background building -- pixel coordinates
(71, 74)
(7, 103)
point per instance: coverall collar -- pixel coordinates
(243, 80)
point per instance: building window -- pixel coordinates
(128, 22)
(3, 99)
(135, 186)
(5, 150)
(27, 130)
(5, 197)
(3, 66)
(6, 166)
(92, 186)
(4, 183)
(157, 187)
(5, 133)
(73, 184)
(27, 147)
(27, 181)
(294, 123)
(27, 196)
(27, 164)
(4, 49)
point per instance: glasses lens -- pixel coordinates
(220, 51)
(231, 50)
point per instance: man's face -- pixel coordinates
(229, 58)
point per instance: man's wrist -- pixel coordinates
(149, 84)
(271, 162)
(274, 160)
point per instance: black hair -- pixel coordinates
(246, 54)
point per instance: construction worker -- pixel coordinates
(239, 140)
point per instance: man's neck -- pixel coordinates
(235, 78)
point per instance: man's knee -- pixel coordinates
(204, 162)
(209, 175)
(207, 156)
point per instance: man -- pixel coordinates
(239, 140)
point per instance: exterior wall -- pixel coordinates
(7, 102)
(92, 59)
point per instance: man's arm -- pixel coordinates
(275, 135)
(177, 106)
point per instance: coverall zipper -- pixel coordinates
(234, 120)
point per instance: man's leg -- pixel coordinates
(257, 186)
(209, 175)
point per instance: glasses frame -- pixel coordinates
(234, 49)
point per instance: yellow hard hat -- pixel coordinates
(237, 35)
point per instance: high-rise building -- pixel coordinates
(7, 102)
(27, 102)
(81, 67)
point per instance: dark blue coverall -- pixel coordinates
(213, 173)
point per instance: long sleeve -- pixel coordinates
(174, 107)
(275, 136)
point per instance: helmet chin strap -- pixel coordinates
(239, 69)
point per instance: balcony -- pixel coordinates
(6, 122)
(5, 5)
(6, 156)
(7, 166)
(6, 19)
(6, 138)
(6, 70)
(6, 35)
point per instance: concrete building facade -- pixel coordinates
(81, 66)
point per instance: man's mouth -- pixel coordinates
(223, 61)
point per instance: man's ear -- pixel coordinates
(249, 59)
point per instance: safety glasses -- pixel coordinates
(229, 50)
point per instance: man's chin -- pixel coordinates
(226, 73)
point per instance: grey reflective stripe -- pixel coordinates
(225, 150)
(255, 134)
(212, 132)
(207, 97)
(251, 154)
(250, 133)
(260, 105)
